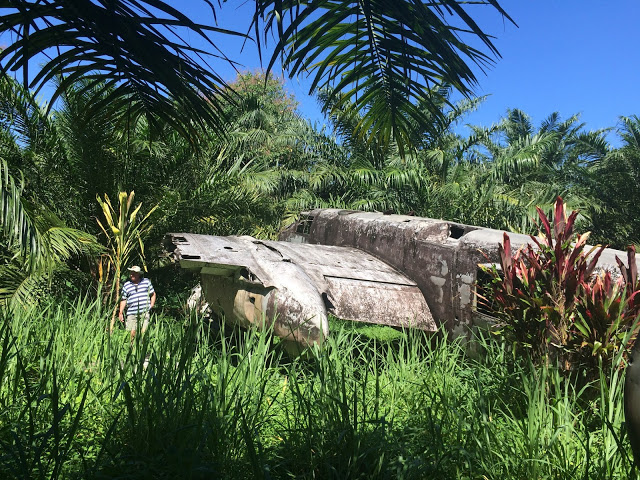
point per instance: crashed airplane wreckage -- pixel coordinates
(396, 270)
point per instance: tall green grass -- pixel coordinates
(187, 402)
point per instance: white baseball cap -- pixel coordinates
(135, 269)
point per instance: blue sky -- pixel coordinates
(570, 56)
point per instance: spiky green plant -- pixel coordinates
(124, 233)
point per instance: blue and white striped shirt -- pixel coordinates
(138, 296)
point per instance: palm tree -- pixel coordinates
(615, 181)
(247, 173)
(378, 57)
(36, 242)
(531, 167)
(266, 127)
(129, 59)
(132, 48)
(27, 279)
(371, 175)
(103, 155)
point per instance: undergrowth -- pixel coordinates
(189, 402)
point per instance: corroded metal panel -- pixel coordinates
(396, 270)
(379, 302)
(294, 286)
(441, 257)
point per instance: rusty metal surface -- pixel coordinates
(294, 286)
(378, 302)
(391, 269)
(441, 257)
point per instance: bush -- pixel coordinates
(550, 301)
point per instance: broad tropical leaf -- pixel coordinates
(24, 280)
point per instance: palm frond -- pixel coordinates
(381, 57)
(134, 48)
(18, 287)
(17, 221)
(629, 130)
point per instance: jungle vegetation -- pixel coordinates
(140, 137)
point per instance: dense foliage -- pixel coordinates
(271, 165)
(144, 139)
(136, 54)
(77, 402)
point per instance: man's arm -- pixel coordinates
(123, 303)
(152, 301)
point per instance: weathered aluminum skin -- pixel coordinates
(390, 269)
(442, 257)
(295, 286)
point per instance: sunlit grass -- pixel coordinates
(189, 402)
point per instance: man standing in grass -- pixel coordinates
(138, 296)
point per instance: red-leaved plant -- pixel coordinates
(549, 301)
(607, 309)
